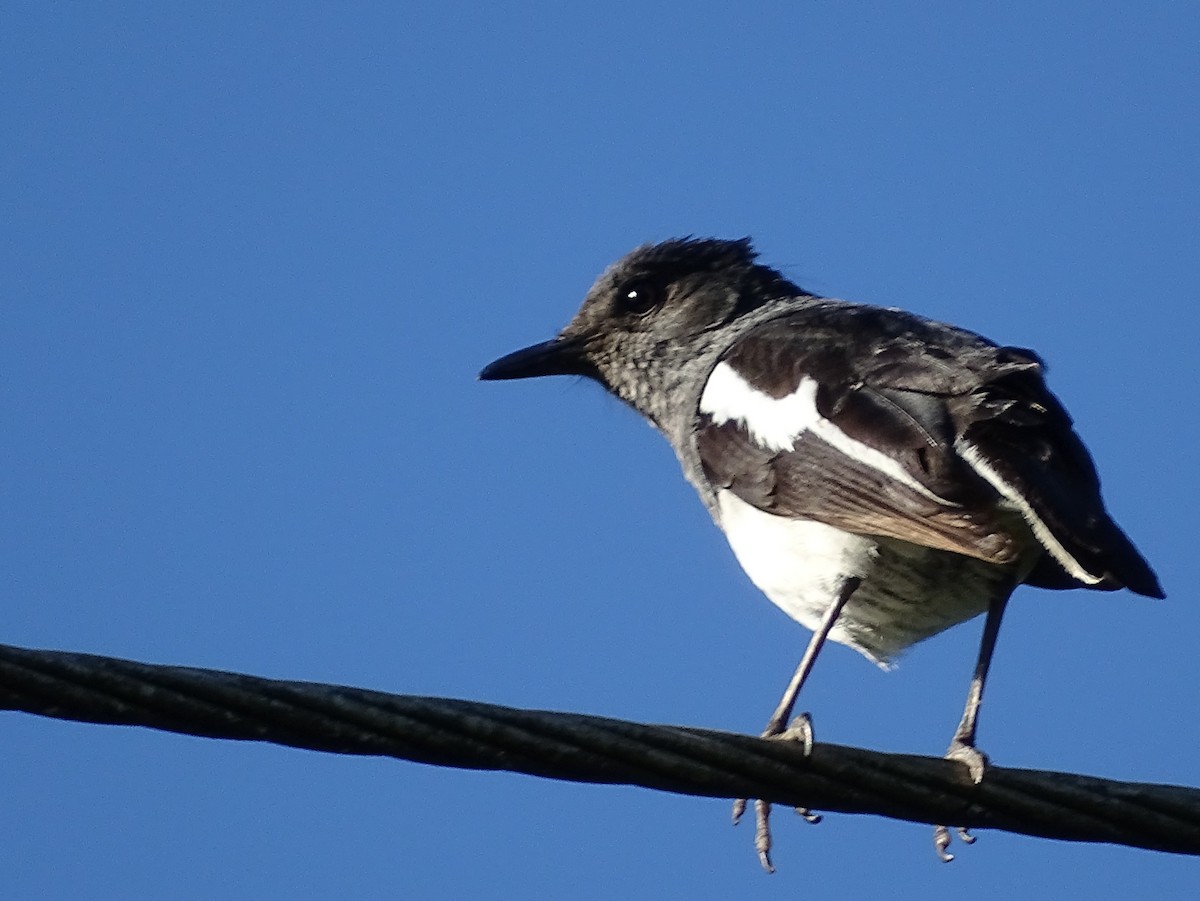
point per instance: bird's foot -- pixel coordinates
(976, 762)
(801, 731)
(966, 752)
(941, 840)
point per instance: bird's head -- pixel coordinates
(653, 320)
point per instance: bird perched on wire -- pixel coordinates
(880, 477)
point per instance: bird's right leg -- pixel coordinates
(962, 746)
(801, 728)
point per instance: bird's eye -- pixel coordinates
(639, 297)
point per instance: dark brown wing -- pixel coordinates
(1015, 429)
(816, 481)
(923, 432)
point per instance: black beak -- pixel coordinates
(560, 356)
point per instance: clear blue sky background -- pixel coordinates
(252, 257)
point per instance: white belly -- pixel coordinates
(908, 593)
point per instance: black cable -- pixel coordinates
(686, 760)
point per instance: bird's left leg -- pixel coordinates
(962, 746)
(801, 728)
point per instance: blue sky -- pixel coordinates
(253, 257)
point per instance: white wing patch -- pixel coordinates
(778, 423)
(1041, 532)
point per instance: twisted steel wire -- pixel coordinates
(686, 760)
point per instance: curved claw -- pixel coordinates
(739, 808)
(976, 763)
(800, 730)
(974, 759)
(941, 841)
(762, 834)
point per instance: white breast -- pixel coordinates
(909, 592)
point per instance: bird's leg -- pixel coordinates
(801, 728)
(962, 746)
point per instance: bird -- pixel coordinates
(880, 476)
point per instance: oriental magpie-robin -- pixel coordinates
(880, 476)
